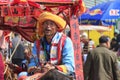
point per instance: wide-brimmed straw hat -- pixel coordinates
(60, 22)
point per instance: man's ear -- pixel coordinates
(107, 43)
(57, 28)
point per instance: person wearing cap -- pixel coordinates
(53, 48)
(101, 63)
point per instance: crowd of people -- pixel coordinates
(102, 63)
(53, 54)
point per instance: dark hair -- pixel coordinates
(115, 33)
(16, 34)
(103, 39)
(69, 34)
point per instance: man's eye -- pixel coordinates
(51, 24)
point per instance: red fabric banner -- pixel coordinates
(2, 2)
(25, 3)
(52, 0)
(18, 11)
(77, 48)
(26, 25)
(20, 21)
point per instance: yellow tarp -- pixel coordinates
(94, 35)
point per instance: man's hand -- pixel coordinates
(46, 67)
(34, 69)
(49, 66)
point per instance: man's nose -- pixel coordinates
(48, 26)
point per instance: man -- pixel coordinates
(54, 48)
(114, 42)
(101, 63)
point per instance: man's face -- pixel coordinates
(49, 28)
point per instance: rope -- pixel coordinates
(6, 69)
(12, 54)
(15, 49)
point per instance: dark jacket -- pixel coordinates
(19, 53)
(101, 64)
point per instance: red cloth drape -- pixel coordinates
(1, 68)
(25, 2)
(53, 0)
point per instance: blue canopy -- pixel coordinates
(105, 13)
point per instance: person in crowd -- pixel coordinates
(18, 56)
(54, 48)
(84, 43)
(114, 42)
(101, 63)
(114, 45)
(91, 44)
(28, 55)
(21, 71)
(115, 35)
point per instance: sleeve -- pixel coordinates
(87, 66)
(115, 68)
(67, 57)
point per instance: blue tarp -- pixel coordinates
(105, 13)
